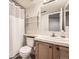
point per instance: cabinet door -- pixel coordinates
(60, 52)
(50, 52)
(64, 53)
(56, 52)
(43, 51)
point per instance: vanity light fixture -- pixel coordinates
(48, 1)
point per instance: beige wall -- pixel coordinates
(31, 18)
(43, 24)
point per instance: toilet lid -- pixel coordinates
(25, 49)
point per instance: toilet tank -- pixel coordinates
(30, 41)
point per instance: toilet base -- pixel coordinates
(26, 57)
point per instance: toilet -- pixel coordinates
(25, 51)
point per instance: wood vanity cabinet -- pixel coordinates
(48, 51)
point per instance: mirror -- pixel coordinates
(54, 22)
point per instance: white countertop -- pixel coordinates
(51, 40)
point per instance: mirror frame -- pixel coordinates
(65, 15)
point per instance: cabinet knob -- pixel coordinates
(57, 48)
(50, 46)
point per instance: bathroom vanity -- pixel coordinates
(47, 47)
(47, 50)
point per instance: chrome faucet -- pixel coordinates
(53, 35)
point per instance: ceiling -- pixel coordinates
(27, 3)
(50, 7)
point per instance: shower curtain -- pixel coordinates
(16, 28)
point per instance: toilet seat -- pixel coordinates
(25, 49)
